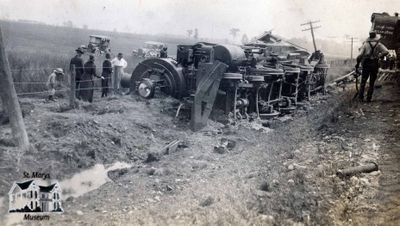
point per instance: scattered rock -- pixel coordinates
(116, 140)
(290, 182)
(78, 212)
(150, 171)
(162, 172)
(91, 154)
(7, 142)
(171, 147)
(285, 118)
(220, 149)
(265, 186)
(291, 167)
(199, 165)
(375, 173)
(207, 202)
(275, 182)
(70, 199)
(267, 218)
(225, 146)
(115, 174)
(152, 157)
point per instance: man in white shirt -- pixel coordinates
(370, 53)
(118, 63)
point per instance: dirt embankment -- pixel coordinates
(241, 174)
(363, 133)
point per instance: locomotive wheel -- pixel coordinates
(146, 88)
(162, 72)
(273, 114)
(286, 106)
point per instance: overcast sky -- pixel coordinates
(213, 18)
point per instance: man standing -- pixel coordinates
(87, 84)
(118, 64)
(164, 52)
(52, 82)
(107, 71)
(370, 53)
(78, 63)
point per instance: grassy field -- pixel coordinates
(34, 50)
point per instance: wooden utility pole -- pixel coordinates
(72, 94)
(10, 99)
(312, 28)
(352, 39)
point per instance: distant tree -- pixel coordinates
(189, 33)
(253, 39)
(68, 24)
(85, 27)
(196, 34)
(234, 32)
(245, 39)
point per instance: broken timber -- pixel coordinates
(370, 167)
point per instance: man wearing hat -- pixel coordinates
(370, 53)
(52, 82)
(78, 63)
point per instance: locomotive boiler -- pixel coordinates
(244, 81)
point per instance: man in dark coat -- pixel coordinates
(107, 72)
(78, 63)
(87, 83)
(164, 52)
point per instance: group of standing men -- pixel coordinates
(112, 71)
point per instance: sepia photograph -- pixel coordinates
(199, 112)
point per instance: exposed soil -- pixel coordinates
(235, 174)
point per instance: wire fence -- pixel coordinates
(34, 80)
(38, 85)
(64, 90)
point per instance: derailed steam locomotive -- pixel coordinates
(262, 79)
(388, 27)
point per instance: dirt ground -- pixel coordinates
(226, 174)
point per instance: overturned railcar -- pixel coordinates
(250, 81)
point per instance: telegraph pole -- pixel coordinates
(312, 28)
(352, 39)
(10, 99)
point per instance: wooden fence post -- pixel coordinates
(72, 94)
(10, 99)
